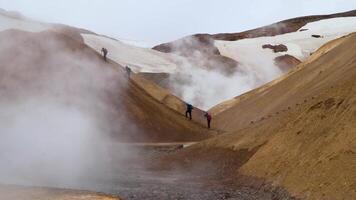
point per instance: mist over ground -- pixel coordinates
(56, 111)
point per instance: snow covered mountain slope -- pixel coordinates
(186, 77)
(300, 44)
(261, 55)
(139, 59)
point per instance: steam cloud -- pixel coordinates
(57, 115)
(206, 87)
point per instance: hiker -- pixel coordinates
(208, 118)
(128, 71)
(189, 111)
(105, 52)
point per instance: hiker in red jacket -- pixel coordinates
(208, 118)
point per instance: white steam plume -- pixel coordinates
(59, 108)
(205, 87)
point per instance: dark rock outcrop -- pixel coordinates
(316, 36)
(276, 48)
(188, 46)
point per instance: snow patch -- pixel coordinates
(300, 44)
(139, 59)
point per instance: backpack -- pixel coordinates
(189, 107)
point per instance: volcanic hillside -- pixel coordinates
(55, 86)
(297, 131)
(126, 100)
(279, 28)
(184, 66)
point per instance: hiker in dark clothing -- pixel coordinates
(128, 71)
(208, 118)
(189, 111)
(105, 52)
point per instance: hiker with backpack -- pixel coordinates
(189, 111)
(128, 71)
(105, 53)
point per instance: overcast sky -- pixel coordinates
(156, 21)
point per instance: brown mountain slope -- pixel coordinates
(286, 62)
(169, 100)
(255, 110)
(51, 65)
(303, 133)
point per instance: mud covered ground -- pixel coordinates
(153, 174)
(174, 186)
